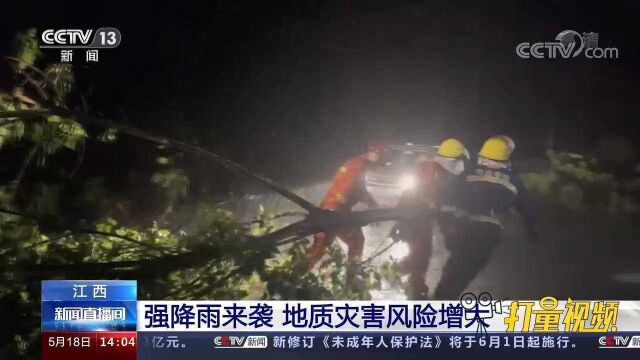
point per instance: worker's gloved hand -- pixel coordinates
(394, 234)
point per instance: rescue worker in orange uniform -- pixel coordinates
(433, 174)
(347, 189)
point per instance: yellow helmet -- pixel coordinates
(498, 148)
(451, 148)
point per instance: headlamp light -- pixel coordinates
(407, 182)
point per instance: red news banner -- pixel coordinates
(116, 345)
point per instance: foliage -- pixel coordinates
(27, 47)
(173, 182)
(60, 79)
(37, 227)
(11, 130)
(579, 182)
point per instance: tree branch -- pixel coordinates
(176, 144)
(318, 220)
(71, 232)
(314, 223)
(23, 168)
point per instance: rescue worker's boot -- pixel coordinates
(470, 252)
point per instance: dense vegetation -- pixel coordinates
(55, 223)
(584, 182)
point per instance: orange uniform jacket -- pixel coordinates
(348, 186)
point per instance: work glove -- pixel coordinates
(394, 234)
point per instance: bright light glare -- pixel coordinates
(400, 250)
(407, 182)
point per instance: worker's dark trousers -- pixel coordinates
(470, 249)
(417, 262)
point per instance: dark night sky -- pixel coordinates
(326, 76)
